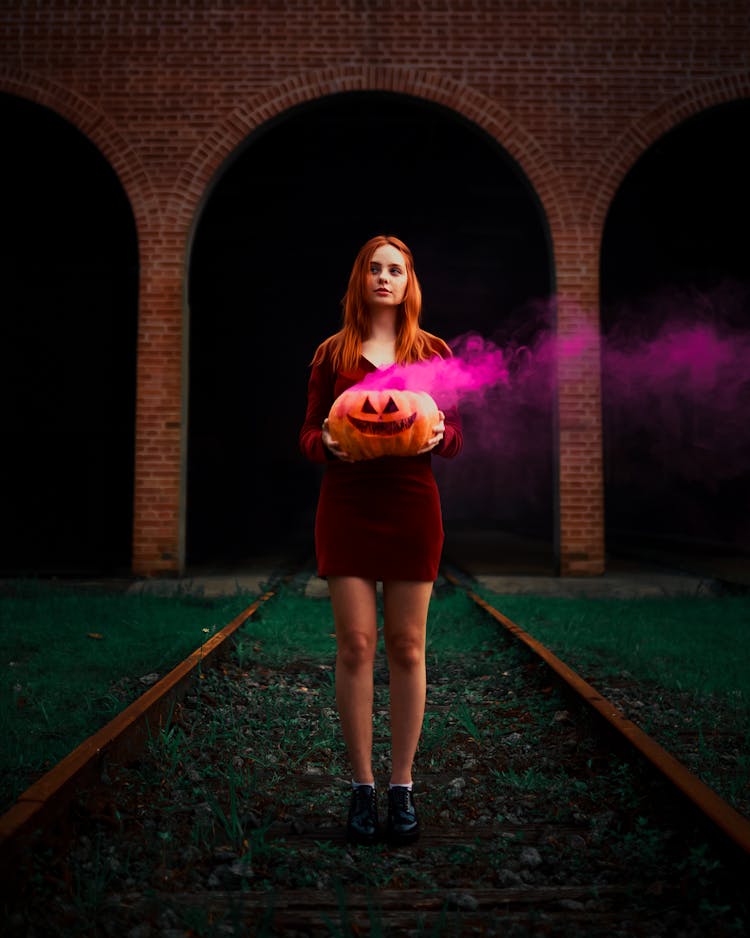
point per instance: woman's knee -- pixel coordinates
(406, 652)
(356, 649)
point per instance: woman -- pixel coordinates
(378, 519)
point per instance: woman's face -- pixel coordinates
(386, 281)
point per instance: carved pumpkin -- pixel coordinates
(369, 423)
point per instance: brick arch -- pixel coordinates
(78, 111)
(199, 170)
(619, 159)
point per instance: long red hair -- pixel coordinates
(412, 343)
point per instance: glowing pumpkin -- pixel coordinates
(369, 423)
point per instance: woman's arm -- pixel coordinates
(453, 438)
(319, 401)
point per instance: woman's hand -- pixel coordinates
(333, 446)
(438, 432)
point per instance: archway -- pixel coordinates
(676, 314)
(269, 264)
(68, 350)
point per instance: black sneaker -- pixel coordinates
(402, 826)
(362, 824)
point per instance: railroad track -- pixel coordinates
(215, 804)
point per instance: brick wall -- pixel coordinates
(575, 90)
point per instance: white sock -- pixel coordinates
(408, 787)
(362, 784)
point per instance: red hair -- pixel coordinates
(412, 343)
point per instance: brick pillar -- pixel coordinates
(580, 467)
(158, 542)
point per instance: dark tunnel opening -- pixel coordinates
(68, 350)
(676, 317)
(270, 261)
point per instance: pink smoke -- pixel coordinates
(693, 360)
(686, 393)
(676, 404)
(675, 379)
(701, 364)
(477, 364)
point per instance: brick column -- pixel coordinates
(158, 540)
(580, 466)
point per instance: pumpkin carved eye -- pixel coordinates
(390, 408)
(367, 407)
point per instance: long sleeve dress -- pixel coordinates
(378, 519)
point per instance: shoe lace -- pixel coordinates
(364, 796)
(401, 798)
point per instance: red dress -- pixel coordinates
(378, 519)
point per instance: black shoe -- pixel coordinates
(402, 826)
(362, 824)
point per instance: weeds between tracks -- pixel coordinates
(232, 822)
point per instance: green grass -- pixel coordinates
(59, 684)
(457, 626)
(687, 658)
(288, 627)
(699, 645)
(62, 652)
(295, 627)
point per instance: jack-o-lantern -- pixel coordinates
(369, 423)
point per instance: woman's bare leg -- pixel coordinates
(405, 605)
(355, 618)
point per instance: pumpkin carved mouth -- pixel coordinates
(381, 427)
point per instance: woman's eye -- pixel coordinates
(374, 269)
(395, 271)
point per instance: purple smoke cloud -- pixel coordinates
(677, 396)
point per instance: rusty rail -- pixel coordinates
(42, 804)
(722, 815)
